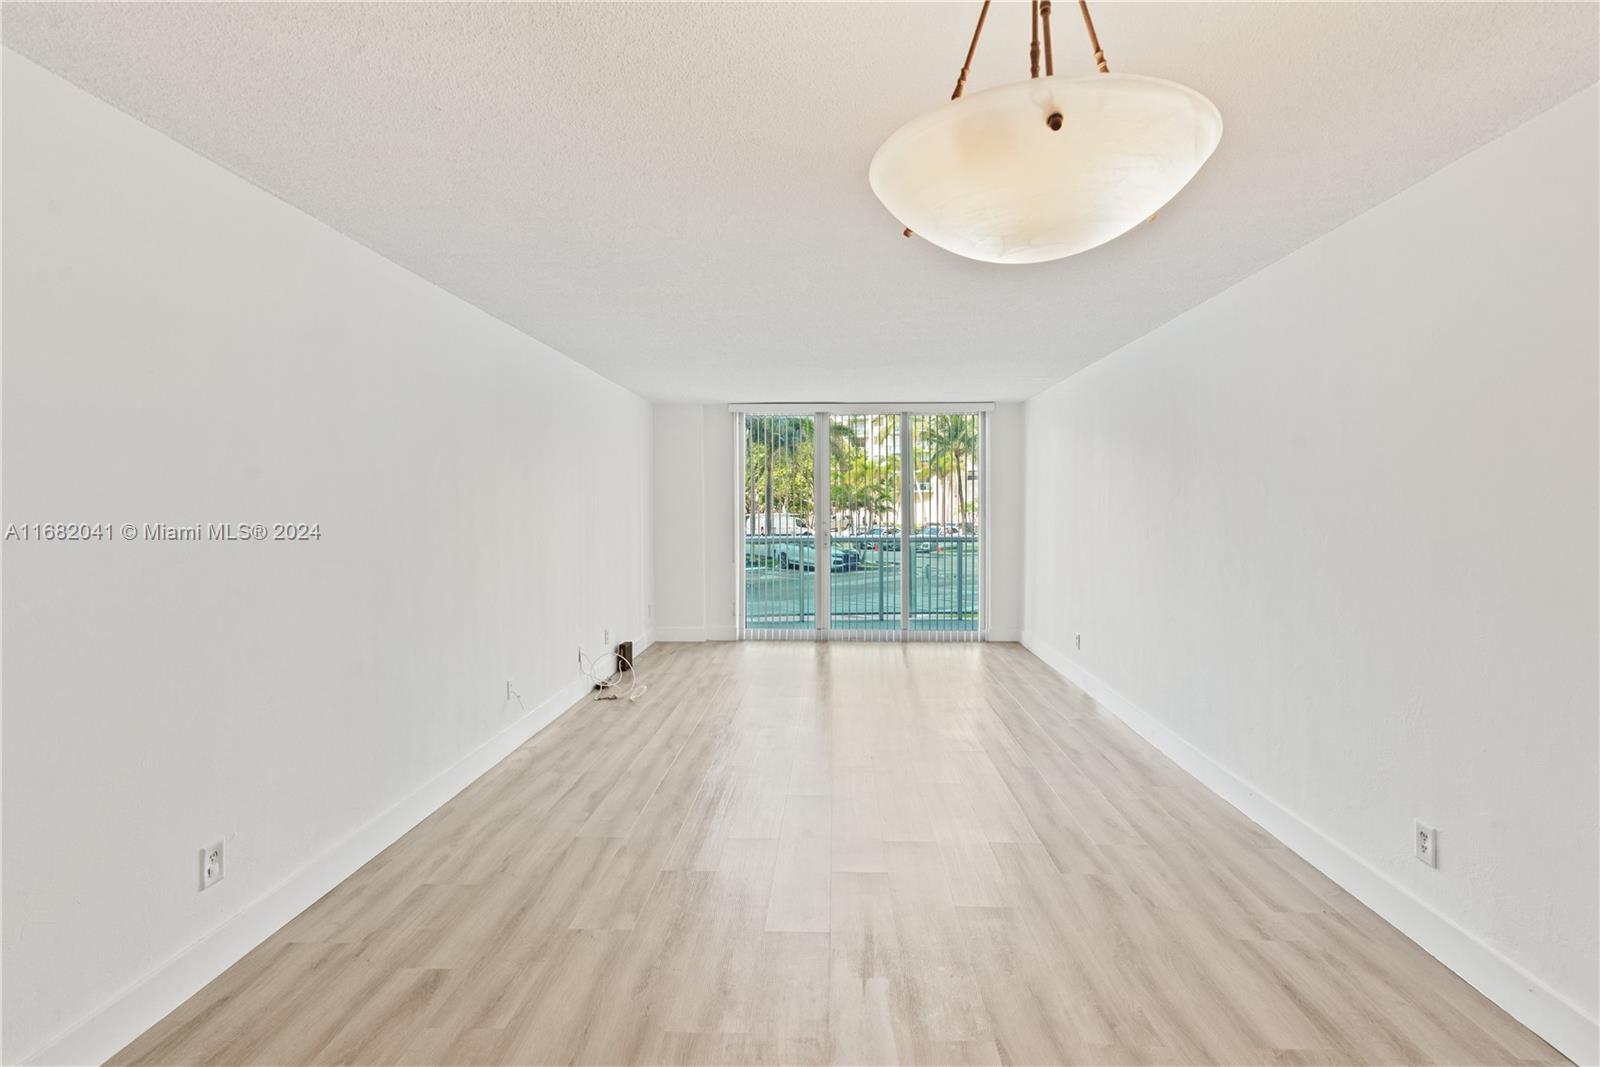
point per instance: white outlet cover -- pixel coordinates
(1425, 843)
(211, 865)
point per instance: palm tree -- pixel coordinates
(773, 441)
(948, 442)
(842, 437)
(862, 486)
(784, 443)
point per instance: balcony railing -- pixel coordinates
(944, 582)
(864, 581)
(780, 590)
(866, 595)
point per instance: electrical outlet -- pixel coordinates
(511, 694)
(1078, 640)
(1426, 843)
(210, 866)
(605, 642)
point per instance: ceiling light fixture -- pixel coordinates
(1048, 167)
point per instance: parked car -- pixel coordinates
(761, 551)
(804, 557)
(886, 538)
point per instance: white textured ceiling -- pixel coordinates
(676, 194)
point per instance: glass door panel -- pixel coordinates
(865, 547)
(944, 559)
(780, 545)
(895, 500)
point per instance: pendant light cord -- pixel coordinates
(1033, 48)
(1094, 39)
(1041, 11)
(1049, 56)
(961, 81)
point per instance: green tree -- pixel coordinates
(772, 447)
(862, 485)
(946, 444)
(779, 453)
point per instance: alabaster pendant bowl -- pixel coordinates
(1044, 168)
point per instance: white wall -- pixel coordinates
(1007, 467)
(693, 525)
(695, 520)
(181, 347)
(1331, 538)
(678, 469)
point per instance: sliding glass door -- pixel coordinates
(864, 504)
(861, 525)
(944, 509)
(780, 543)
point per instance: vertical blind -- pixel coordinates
(779, 533)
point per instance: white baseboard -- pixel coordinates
(150, 998)
(1526, 998)
(1009, 636)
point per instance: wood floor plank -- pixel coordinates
(942, 1003)
(857, 831)
(837, 853)
(720, 960)
(974, 876)
(866, 979)
(545, 1016)
(800, 885)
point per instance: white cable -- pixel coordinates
(606, 688)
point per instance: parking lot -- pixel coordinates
(864, 584)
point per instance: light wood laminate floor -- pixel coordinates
(848, 853)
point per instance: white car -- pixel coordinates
(804, 557)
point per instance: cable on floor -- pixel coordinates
(608, 687)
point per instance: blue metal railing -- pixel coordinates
(779, 584)
(867, 598)
(944, 582)
(864, 581)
